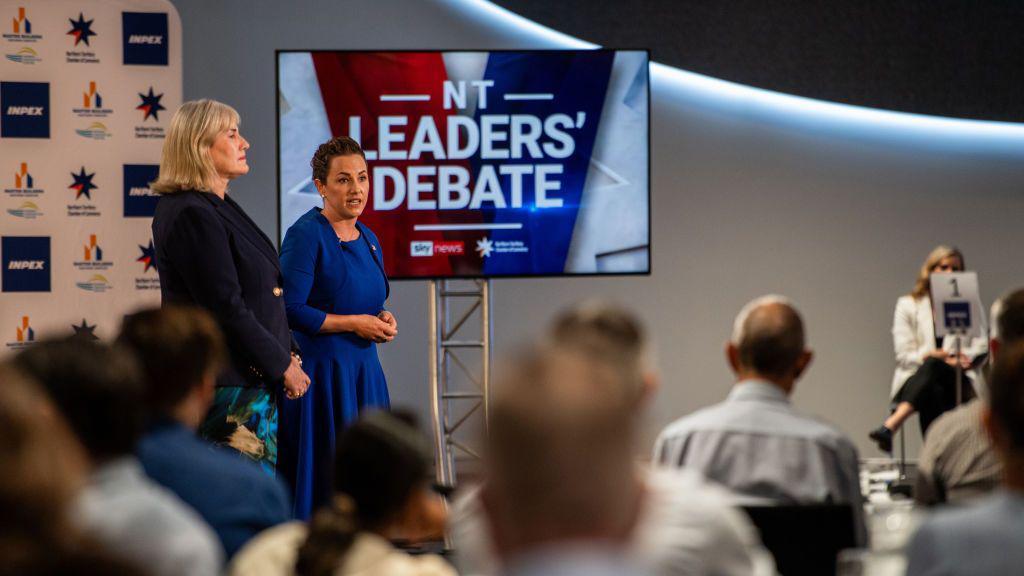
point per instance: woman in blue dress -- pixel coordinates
(334, 292)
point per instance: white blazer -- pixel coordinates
(913, 336)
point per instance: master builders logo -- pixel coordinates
(24, 335)
(92, 103)
(20, 29)
(91, 256)
(25, 185)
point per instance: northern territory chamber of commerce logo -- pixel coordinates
(150, 107)
(92, 103)
(28, 210)
(485, 247)
(24, 184)
(147, 258)
(26, 263)
(145, 38)
(84, 331)
(84, 185)
(95, 283)
(21, 28)
(24, 109)
(91, 256)
(81, 31)
(24, 335)
(139, 198)
(25, 55)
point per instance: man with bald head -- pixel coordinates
(755, 442)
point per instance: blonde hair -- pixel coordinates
(937, 254)
(185, 163)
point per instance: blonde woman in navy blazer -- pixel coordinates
(209, 253)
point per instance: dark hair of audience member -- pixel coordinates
(44, 466)
(772, 339)
(1006, 391)
(176, 346)
(1011, 317)
(97, 389)
(379, 462)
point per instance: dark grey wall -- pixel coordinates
(748, 198)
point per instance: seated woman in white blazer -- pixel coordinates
(925, 376)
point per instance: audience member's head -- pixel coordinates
(97, 389)
(559, 451)
(181, 351)
(941, 259)
(43, 468)
(381, 484)
(1007, 319)
(768, 342)
(611, 334)
(1005, 416)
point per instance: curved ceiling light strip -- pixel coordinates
(775, 107)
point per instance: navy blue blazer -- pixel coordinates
(209, 253)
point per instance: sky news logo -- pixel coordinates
(139, 198)
(145, 38)
(25, 109)
(26, 263)
(427, 248)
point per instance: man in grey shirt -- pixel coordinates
(957, 462)
(98, 390)
(987, 538)
(755, 442)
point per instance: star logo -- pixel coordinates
(83, 185)
(150, 105)
(81, 30)
(85, 332)
(148, 256)
(484, 246)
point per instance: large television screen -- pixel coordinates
(481, 164)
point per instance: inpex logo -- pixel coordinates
(25, 108)
(139, 198)
(26, 263)
(145, 38)
(421, 248)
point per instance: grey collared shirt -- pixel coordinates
(760, 447)
(146, 524)
(957, 463)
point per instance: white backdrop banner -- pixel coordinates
(87, 89)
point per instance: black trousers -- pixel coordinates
(932, 391)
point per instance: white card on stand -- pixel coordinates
(956, 304)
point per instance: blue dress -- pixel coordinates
(324, 275)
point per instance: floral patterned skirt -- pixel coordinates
(245, 420)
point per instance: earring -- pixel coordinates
(324, 196)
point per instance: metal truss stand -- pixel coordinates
(459, 386)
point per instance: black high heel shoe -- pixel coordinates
(883, 437)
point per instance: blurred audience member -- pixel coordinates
(45, 467)
(563, 490)
(381, 482)
(986, 538)
(98, 390)
(957, 462)
(181, 351)
(755, 442)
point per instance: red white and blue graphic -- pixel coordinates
(24, 109)
(139, 199)
(518, 163)
(144, 39)
(26, 263)
(148, 257)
